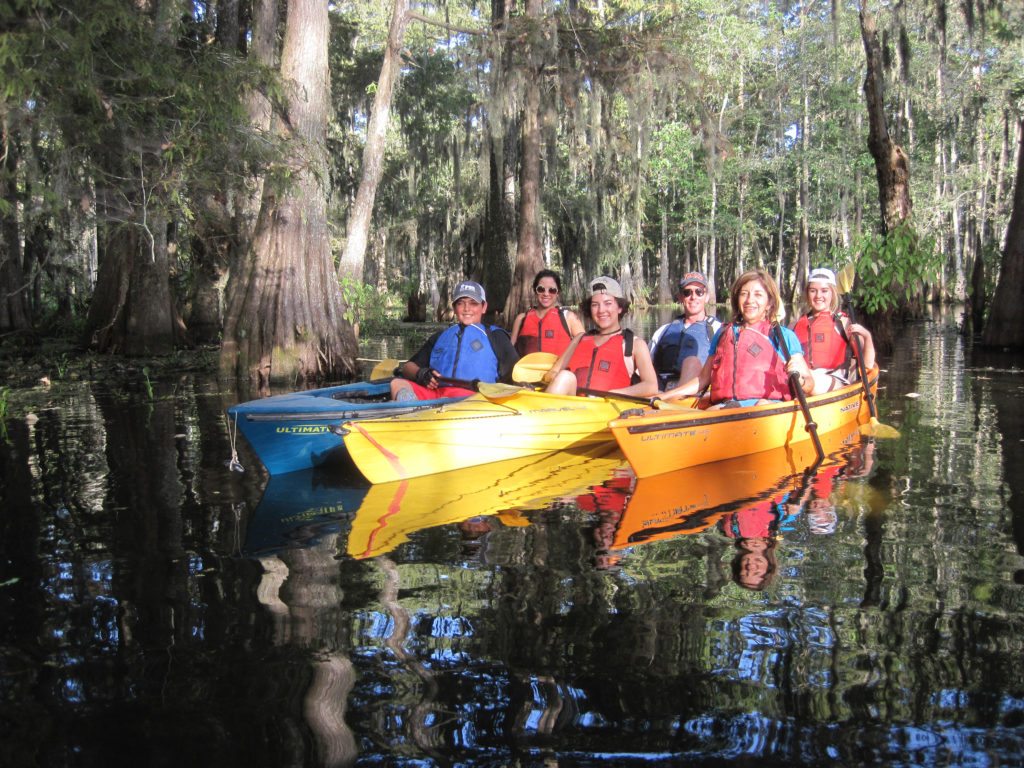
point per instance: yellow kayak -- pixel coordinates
(392, 511)
(691, 500)
(655, 442)
(502, 423)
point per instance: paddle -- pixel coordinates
(500, 391)
(874, 428)
(384, 369)
(798, 394)
(531, 368)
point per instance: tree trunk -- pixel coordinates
(285, 318)
(1005, 327)
(891, 165)
(14, 314)
(351, 266)
(131, 311)
(529, 253)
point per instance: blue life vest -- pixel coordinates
(465, 352)
(678, 342)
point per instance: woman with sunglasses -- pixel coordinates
(751, 358)
(607, 358)
(547, 327)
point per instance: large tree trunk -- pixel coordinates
(351, 266)
(1005, 325)
(285, 317)
(14, 315)
(529, 252)
(131, 311)
(891, 164)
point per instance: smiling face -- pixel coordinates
(754, 301)
(468, 311)
(694, 299)
(546, 292)
(605, 312)
(820, 296)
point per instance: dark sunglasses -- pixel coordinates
(687, 292)
(542, 289)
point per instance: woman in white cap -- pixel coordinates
(607, 358)
(826, 335)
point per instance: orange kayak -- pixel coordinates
(659, 441)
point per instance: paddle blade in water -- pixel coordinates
(531, 368)
(875, 428)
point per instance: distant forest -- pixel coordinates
(278, 176)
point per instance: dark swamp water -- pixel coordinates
(158, 609)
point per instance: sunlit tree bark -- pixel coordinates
(351, 266)
(285, 318)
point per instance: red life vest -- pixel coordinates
(603, 367)
(746, 365)
(544, 334)
(824, 340)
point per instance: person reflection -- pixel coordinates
(821, 510)
(608, 503)
(755, 529)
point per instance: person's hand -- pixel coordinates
(426, 377)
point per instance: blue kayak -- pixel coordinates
(291, 432)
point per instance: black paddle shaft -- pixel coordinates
(796, 387)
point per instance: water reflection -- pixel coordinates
(156, 608)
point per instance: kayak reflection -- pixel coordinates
(741, 495)
(391, 512)
(298, 509)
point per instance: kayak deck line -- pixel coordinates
(724, 415)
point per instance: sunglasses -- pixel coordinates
(688, 292)
(542, 289)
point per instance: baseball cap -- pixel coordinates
(469, 289)
(825, 275)
(605, 284)
(691, 278)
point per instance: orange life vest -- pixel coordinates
(747, 366)
(603, 367)
(824, 340)
(544, 334)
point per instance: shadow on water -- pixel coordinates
(159, 609)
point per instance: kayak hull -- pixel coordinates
(478, 431)
(392, 512)
(655, 442)
(292, 432)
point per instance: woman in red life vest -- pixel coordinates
(825, 334)
(607, 358)
(751, 358)
(547, 327)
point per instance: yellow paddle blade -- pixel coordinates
(385, 369)
(673, 405)
(531, 368)
(845, 278)
(875, 428)
(497, 391)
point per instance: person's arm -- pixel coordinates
(420, 362)
(867, 344)
(562, 360)
(506, 354)
(648, 384)
(796, 360)
(695, 385)
(517, 325)
(575, 324)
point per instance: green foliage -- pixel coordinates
(365, 305)
(892, 268)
